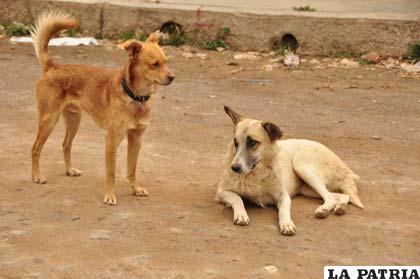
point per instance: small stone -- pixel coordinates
(187, 55)
(17, 232)
(376, 137)
(175, 230)
(220, 49)
(314, 61)
(233, 63)
(373, 57)
(271, 269)
(202, 55)
(275, 60)
(349, 63)
(75, 218)
(211, 96)
(100, 235)
(241, 56)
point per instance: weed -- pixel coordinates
(414, 51)
(142, 37)
(220, 40)
(72, 32)
(17, 29)
(363, 61)
(127, 35)
(306, 8)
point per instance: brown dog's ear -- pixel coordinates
(273, 132)
(154, 37)
(132, 47)
(233, 115)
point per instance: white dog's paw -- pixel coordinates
(140, 192)
(287, 227)
(241, 219)
(324, 210)
(73, 172)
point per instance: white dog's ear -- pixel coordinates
(132, 47)
(154, 37)
(236, 117)
(273, 132)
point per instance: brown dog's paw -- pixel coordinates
(140, 192)
(39, 179)
(73, 172)
(110, 199)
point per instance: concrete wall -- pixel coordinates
(317, 36)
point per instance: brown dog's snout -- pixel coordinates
(171, 76)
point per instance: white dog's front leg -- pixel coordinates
(240, 217)
(285, 221)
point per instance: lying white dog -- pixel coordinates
(266, 170)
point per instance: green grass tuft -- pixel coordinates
(127, 35)
(306, 8)
(414, 51)
(220, 40)
(17, 29)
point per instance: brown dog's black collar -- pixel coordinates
(130, 93)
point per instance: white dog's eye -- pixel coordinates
(250, 143)
(235, 142)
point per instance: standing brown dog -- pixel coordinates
(118, 100)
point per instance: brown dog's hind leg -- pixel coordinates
(49, 112)
(133, 150)
(72, 123)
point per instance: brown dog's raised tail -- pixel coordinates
(47, 25)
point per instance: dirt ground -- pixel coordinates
(369, 116)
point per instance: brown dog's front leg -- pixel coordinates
(113, 140)
(133, 150)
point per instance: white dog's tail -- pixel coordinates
(47, 25)
(354, 199)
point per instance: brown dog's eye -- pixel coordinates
(250, 143)
(155, 65)
(235, 142)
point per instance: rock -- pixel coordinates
(376, 137)
(241, 56)
(17, 232)
(411, 68)
(202, 55)
(373, 57)
(233, 63)
(175, 230)
(349, 63)
(2, 30)
(100, 235)
(291, 60)
(220, 49)
(271, 269)
(314, 61)
(187, 55)
(276, 60)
